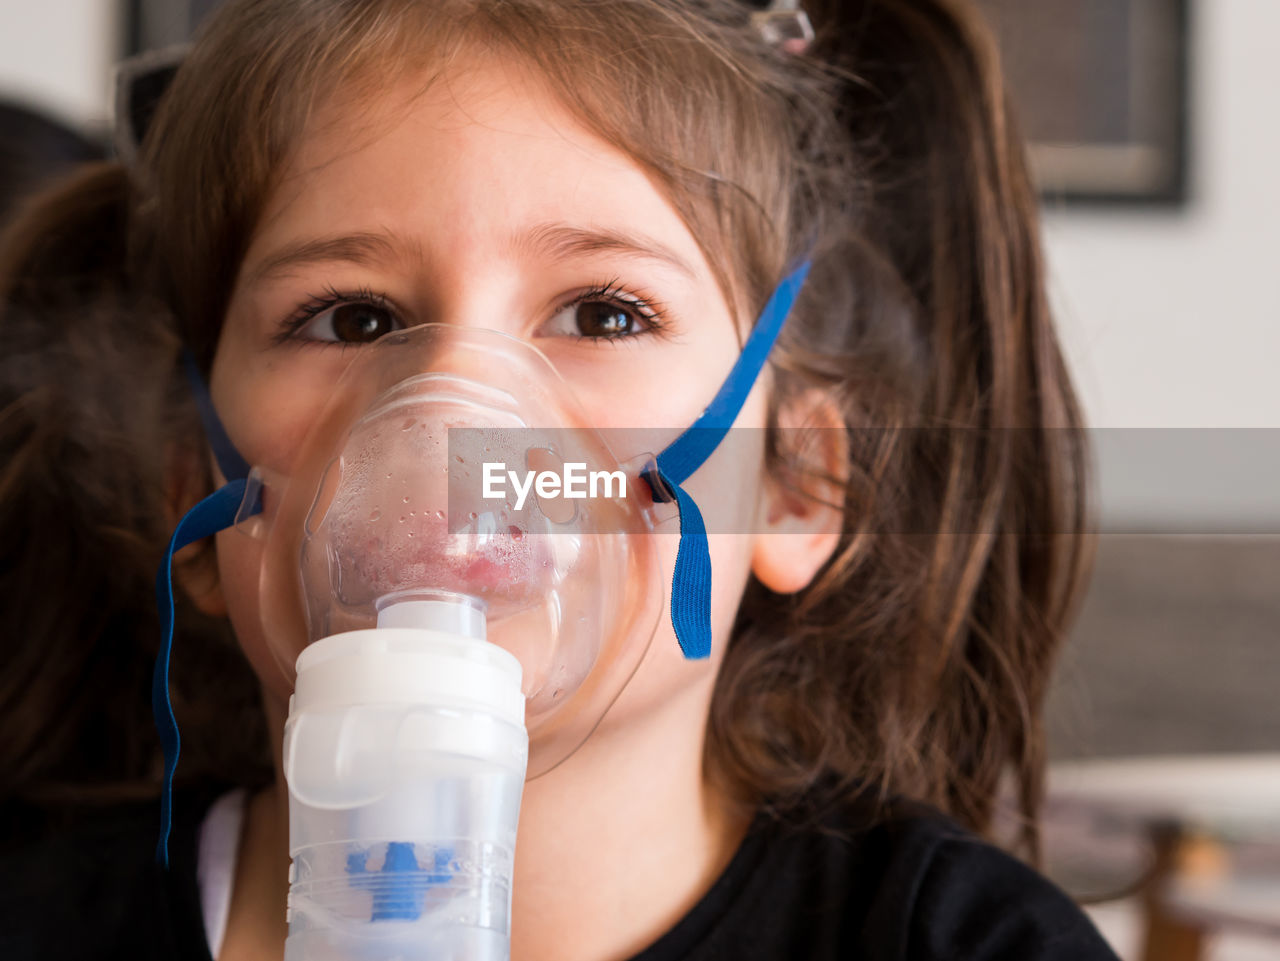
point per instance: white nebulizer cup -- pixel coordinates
(444, 640)
(405, 754)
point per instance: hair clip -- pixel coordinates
(785, 25)
(140, 83)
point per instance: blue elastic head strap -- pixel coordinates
(232, 465)
(215, 513)
(690, 582)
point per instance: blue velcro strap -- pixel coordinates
(232, 465)
(215, 513)
(691, 580)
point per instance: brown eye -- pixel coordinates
(356, 323)
(604, 313)
(600, 319)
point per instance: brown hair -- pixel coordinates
(87, 411)
(918, 658)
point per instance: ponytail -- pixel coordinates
(87, 435)
(919, 660)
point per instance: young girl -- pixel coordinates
(622, 184)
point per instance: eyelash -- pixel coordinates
(319, 303)
(651, 312)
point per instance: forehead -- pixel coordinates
(474, 157)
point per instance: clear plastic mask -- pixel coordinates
(386, 521)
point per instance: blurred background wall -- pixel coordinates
(57, 55)
(1172, 318)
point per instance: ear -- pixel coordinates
(195, 568)
(802, 504)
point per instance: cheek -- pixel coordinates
(666, 681)
(266, 411)
(267, 424)
(268, 397)
(727, 491)
(239, 566)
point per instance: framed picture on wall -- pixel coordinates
(1101, 92)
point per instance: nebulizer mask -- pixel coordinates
(459, 577)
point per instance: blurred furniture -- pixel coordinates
(1197, 812)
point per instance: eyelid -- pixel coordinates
(651, 311)
(613, 290)
(316, 305)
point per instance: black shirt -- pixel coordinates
(87, 886)
(913, 887)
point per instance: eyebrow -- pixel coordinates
(364, 249)
(553, 241)
(557, 241)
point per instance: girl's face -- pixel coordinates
(480, 202)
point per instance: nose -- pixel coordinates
(463, 353)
